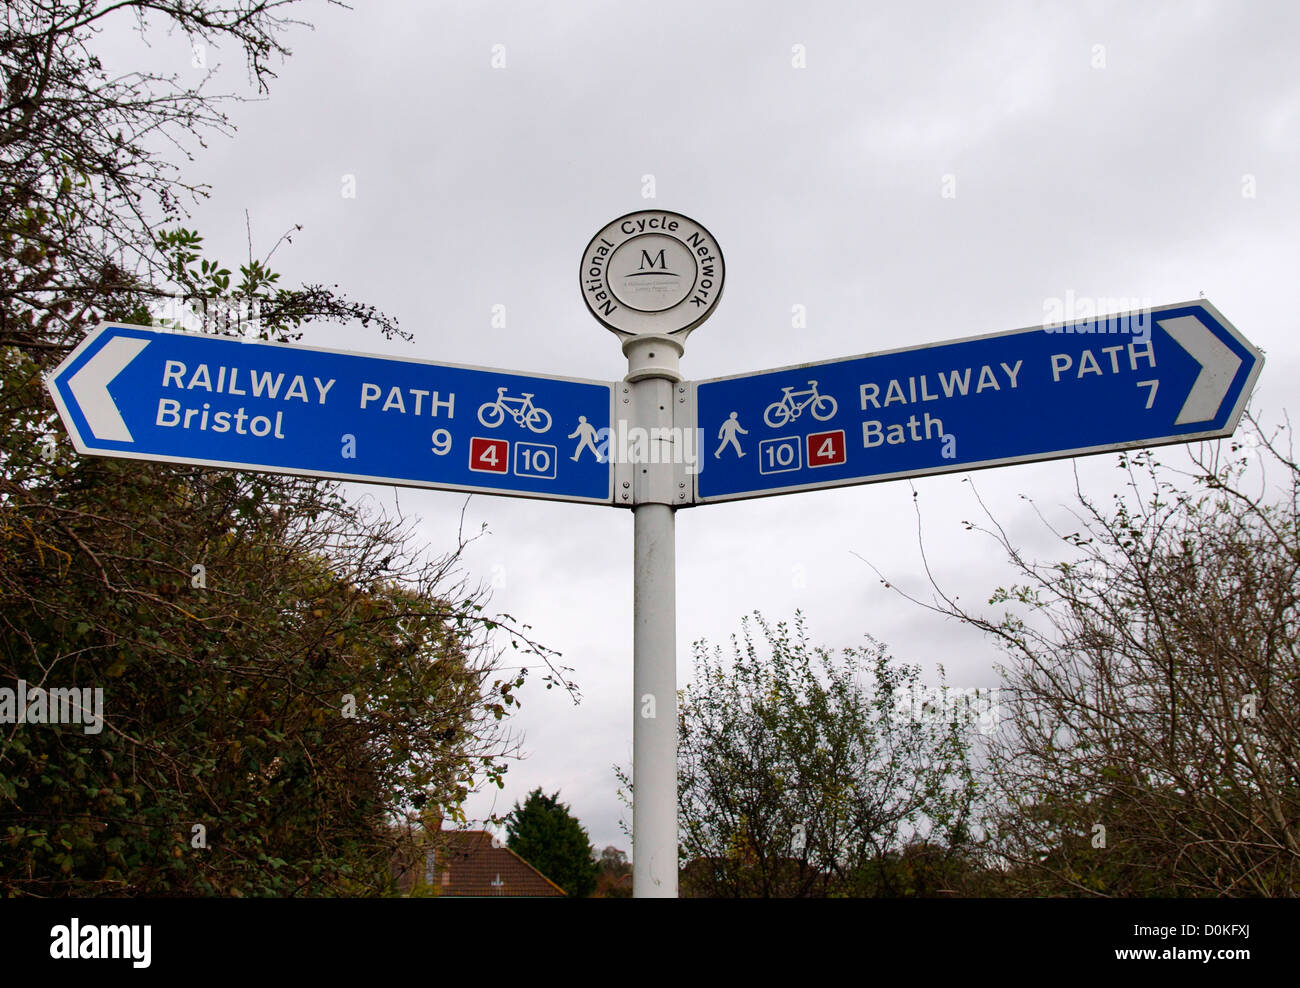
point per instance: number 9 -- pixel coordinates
(441, 442)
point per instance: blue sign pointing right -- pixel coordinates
(1177, 373)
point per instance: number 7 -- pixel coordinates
(1151, 398)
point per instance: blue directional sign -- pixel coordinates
(149, 394)
(1172, 374)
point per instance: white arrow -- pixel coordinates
(1218, 367)
(90, 387)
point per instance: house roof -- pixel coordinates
(466, 864)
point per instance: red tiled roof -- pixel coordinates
(466, 864)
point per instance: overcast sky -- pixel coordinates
(1142, 151)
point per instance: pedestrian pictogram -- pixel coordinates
(586, 435)
(728, 432)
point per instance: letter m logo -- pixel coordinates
(654, 262)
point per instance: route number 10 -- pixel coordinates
(780, 455)
(535, 460)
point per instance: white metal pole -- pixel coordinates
(654, 736)
(652, 374)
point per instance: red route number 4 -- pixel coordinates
(826, 448)
(489, 455)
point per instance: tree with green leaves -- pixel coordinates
(284, 674)
(802, 773)
(545, 833)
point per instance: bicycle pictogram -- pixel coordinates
(521, 409)
(792, 403)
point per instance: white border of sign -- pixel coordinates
(1228, 429)
(74, 434)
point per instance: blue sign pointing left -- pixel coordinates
(149, 394)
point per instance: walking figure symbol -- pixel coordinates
(588, 441)
(730, 427)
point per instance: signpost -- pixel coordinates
(1173, 374)
(1178, 373)
(651, 278)
(149, 394)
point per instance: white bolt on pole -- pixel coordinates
(652, 373)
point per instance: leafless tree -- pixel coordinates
(1152, 744)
